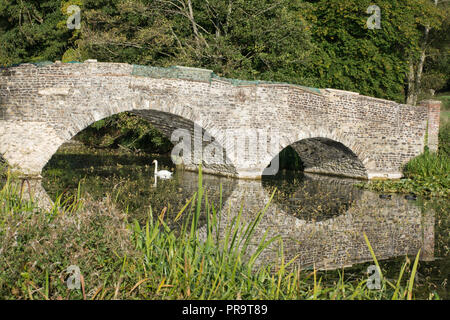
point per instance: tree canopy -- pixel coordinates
(321, 43)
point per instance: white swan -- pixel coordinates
(163, 174)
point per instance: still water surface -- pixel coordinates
(320, 219)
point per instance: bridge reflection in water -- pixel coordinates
(322, 221)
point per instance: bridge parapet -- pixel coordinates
(44, 105)
(175, 72)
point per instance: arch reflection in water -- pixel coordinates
(320, 219)
(311, 197)
(395, 227)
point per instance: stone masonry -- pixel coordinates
(43, 106)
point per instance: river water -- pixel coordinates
(321, 220)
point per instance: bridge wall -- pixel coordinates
(42, 107)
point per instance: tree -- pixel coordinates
(433, 71)
(30, 31)
(321, 43)
(268, 39)
(372, 62)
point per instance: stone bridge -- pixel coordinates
(233, 127)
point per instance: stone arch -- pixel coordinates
(44, 140)
(339, 145)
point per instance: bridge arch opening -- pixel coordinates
(129, 171)
(327, 156)
(316, 178)
(320, 155)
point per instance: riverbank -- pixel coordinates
(427, 175)
(121, 259)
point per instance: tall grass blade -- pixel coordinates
(373, 256)
(413, 274)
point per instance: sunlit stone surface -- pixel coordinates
(41, 107)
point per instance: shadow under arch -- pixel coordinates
(330, 152)
(327, 156)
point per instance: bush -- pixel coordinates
(444, 139)
(428, 164)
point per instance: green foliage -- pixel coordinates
(31, 31)
(234, 39)
(437, 67)
(72, 54)
(445, 99)
(125, 130)
(3, 166)
(427, 175)
(428, 165)
(444, 139)
(373, 62)
(39, 245)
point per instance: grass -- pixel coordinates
(123, 260)
(444, 97)
(428, 165)
(426, 175)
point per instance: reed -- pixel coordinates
(156, 262)
(428, 165)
